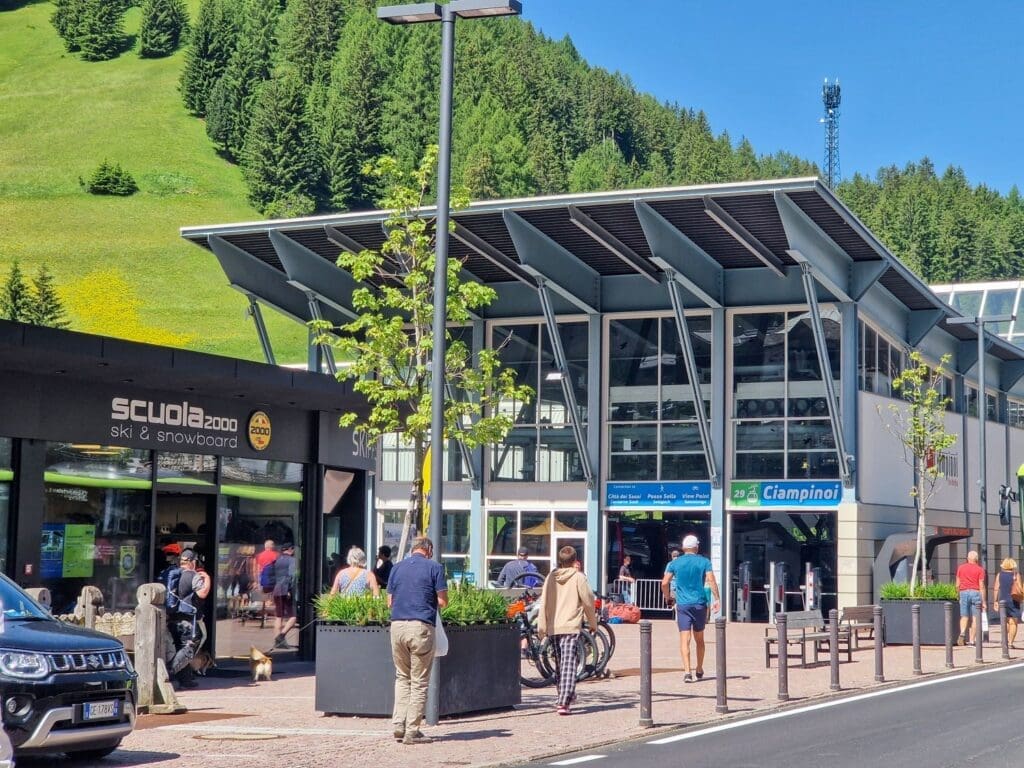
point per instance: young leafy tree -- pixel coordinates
(279, 159)
(46, 307)
(101, 29)
(919, 424)
(211, 42)
(390, 343)
(164, 23)
(15, 299)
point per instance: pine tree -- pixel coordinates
(351, 134)
(309, 31)
(101, 30)
(15, 299)
(211, 43)
(164, 23)
(66, 19)
(600, 168)
(278, 161)
(410, 114)
(249, 66)
(496, 163)
(46, 307)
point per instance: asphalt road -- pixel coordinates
(963, 720)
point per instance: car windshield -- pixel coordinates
(18, 605)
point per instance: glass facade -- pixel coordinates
(398, 460)
(780, 412)
(652, 417)
(541, 446)
(96, 523)
(542, 532)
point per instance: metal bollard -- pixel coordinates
(949, 630)
(645, 674)
(833, 647)
(876, 614)
(1004, 640)
(780, 625)
(979, 637)
(722, 704)
(915, 634)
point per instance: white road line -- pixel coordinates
(228, 730)
(827, 705)
(578, 760)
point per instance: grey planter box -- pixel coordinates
(356, 676)
(933, 616)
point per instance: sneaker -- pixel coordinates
(961, 640)
(700, 674)
(563, 709)
(399, 734)
(416, 737)
(687, 678)
(280, 642)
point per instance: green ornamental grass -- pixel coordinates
(467, 604)
(938, 591)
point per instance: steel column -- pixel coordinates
(807, 276)
(683, 331)
(325, 348)
(261, 330)
(563, 368)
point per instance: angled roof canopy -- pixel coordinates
(601, 251)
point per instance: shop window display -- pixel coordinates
(96, 523)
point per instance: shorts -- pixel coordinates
(692, 616)
(969, 600)
(284, 607)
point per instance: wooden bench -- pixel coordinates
(803, 627)
(857, 618)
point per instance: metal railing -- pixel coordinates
(645, 594)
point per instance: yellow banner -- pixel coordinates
(426, 491)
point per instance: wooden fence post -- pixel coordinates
(156, 695)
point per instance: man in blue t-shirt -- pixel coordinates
(689, 574)
(417, 590)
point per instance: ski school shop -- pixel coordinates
(114, 456)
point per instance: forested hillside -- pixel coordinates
(273, 107)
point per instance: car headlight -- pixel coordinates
(128, 662)
(29, 666)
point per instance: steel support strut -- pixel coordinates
(806, 274)
(261, 330)
(463, 450)
(567, 390)
(683, 331)
(314, 312)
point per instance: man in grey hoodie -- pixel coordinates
(566, 600)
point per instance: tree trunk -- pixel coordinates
(414, 509)
(919, 549)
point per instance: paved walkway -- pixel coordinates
(231, 722)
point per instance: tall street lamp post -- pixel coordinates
(981, 321)
(419, 13)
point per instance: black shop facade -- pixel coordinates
(115, 455)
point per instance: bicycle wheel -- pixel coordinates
(604, 630)
(604, 650)
(534, 670)
(588, 656)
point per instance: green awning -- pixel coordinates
(6, 475)
(261, 493)
(84, 481)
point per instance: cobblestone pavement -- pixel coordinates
(231, 722)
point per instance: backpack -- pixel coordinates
(174, 602)
(268, 577)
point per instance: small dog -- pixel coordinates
(261, 665)
(202, 662)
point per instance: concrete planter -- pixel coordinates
(933, 616)
(356, 676)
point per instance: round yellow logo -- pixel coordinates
(259, 430)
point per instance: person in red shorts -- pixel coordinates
(970, 584)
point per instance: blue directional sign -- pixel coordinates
(673, 495)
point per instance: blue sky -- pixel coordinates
(942, 79)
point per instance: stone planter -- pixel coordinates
(933, 616)
(355, 674)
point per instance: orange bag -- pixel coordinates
(628, 614)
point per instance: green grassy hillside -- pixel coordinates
(119, 262)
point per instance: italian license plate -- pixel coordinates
(101, 710)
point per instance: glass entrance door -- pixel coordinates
(574, 540)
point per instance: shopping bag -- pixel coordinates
(440, 638)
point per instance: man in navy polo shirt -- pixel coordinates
(416, 591)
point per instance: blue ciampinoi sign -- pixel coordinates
(675, 495)
(786, 493)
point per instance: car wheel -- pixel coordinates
(93, 754)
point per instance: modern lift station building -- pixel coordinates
(688, 395)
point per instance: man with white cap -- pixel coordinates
(689, 575)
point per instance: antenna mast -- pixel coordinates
(830, 98)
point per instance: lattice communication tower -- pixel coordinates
(830, 98)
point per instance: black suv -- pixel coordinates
(62, 688)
